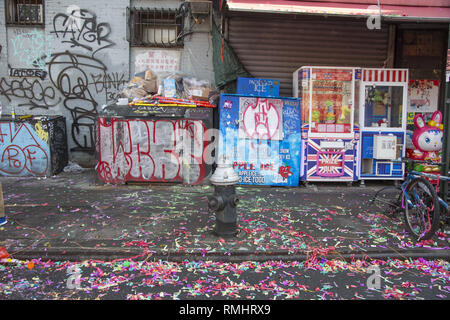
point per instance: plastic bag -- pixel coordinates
(139, 87)
(134, 90)
(170, 84)
(196, 89)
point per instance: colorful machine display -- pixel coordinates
(330, 134)
(383, 118)
(260, 136)
(427, 142)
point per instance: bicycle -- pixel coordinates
(418, 199)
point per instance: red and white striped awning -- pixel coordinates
(431, 10)
(385, 75)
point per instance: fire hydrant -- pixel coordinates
(224, 200)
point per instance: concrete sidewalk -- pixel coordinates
(70, 217)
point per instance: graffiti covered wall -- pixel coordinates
(78, 60)
(71, 67)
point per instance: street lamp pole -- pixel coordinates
(446, 144)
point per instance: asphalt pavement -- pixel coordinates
(72, 217)
(207, 281)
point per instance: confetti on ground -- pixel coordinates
(71, 212)
(154, 280)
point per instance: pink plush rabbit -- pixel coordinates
(427, 139)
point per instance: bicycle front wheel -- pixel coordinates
(388, 200)
(421, 209)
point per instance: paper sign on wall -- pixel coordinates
(423, 95)
(157, 60)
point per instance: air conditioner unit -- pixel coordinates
(30, 13)
(200, 7)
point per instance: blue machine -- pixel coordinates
(261, 137)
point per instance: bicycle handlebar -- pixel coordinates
(429, 162)
(428, 175)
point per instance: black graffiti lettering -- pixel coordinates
(22, 73)
(81, 29)
(68, 73)
(33, 91)
(74, 78)
(110, 83)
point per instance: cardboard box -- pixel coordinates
(201, 94)
(150, 86)
(150, 75)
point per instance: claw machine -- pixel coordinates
(330, 134)
(383, 119)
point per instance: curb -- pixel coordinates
(111, 254)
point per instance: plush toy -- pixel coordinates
(383, 122)
(344, 116)
(315, 116)
(331, 117)
(427, 140)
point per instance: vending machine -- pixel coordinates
(260, 134)
(383, 119)
(329, 118)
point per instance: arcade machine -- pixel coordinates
(383, 118)
(330, 135)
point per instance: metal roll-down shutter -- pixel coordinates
(275, 45)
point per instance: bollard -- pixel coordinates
(224, 200)
(3, 253)
(2, 207)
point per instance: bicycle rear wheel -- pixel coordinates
(422, 209)
(388, 200)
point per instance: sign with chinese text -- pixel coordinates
(423, 95)
(157, 60)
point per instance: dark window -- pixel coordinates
(25, 12)
(155, 27)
